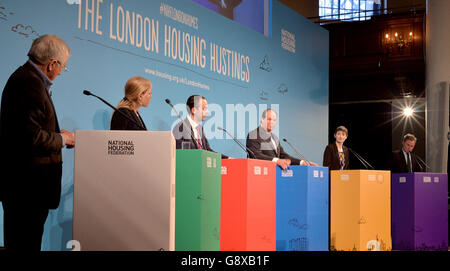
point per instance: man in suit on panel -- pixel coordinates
(189, 134)
(266, 145)
(32, 142)
(405, 160)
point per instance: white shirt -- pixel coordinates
(275, 159)
(406, 154)
(274, 147)
(194, 126)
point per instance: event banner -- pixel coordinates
(243, 56)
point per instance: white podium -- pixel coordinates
(124, 190)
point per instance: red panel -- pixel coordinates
(248, 205)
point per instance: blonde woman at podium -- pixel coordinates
(336, 155)
(138, 93)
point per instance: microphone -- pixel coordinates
(295, 149)
(181, 119)
(419, 159)
(247, 150)
(88, 93)
(364, 162)
(171, 105)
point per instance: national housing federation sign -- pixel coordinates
(120, 147)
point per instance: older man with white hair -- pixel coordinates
(32, 142)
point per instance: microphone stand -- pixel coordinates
(182, 122)
(247, 150)
(364, 162)
(419, 159)
(88, 93)
(295, 149)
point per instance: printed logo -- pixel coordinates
(257, 170)
(120, 147)
(287, 173)
(345, 177)
(288, 41)
(427, 179)
(223, 170)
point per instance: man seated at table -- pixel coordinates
(266, 145)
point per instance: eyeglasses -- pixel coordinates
(64, 68)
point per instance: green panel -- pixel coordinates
(197, 200)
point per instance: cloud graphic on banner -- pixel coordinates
(263, 95)
(26, 31)
(4, 14)
(282, 89)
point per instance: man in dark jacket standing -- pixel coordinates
(32, 142)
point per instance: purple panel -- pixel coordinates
(402, 200)
(431, 211)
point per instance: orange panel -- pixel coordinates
(360, 209)
(344, 208)
(375, 226)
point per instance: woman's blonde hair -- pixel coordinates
(133, 88)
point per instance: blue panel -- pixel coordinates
(318, 208)
(302, 209)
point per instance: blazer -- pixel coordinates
(398, 162)
(183, 132)
(259, 142)
(119, 122)
(31, 140)
(331, 157)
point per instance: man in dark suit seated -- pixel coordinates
(189, 134)
(31, 153)
(405, 160)
(266, 145)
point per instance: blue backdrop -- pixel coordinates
(113, 40)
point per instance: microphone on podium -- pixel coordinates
(171, 105)
(181, 119)
(419, 159)
(247, 150)
(295, 149)
(88, 93)
(364, 162)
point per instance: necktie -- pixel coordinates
(199, 138)
(409, 163)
